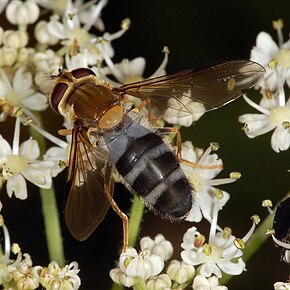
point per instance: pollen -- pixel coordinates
(279, 115)
(16, 164)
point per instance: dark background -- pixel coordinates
(197, 33)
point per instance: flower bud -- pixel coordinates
(161, 282)
(8, 56)
(23, 13)
(15, 39)
(42, 34)
(180, 271)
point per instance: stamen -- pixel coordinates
(162, 66)
(7, 243)
(15, 146)
(50, 137)
(281, 92)
(112, 67)
(125, 25)
(214, 221)
(97, 11)
(268, 204)
(280, 243)
(256, 106)
(278, 26)
(249, 233)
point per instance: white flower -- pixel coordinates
(214, 257)
(19, 94)
(161, 282)
(266, 51)
(129, 71)
(47, 63)
(183, 112)
(8, 56)
(203, 283)
(159, 246)
(42, 34)
(282, 286)
(222, 252)
(180, 272)
(15, 39)
(66, 277)
(3, 4)
(88, 12)
(200, 173)
(134, 266)
(22, 13)
(20, 163)
(274, 115)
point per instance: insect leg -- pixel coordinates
(174, 130)
(107, 191)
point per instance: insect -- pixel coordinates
(127, 145)
(281, 223)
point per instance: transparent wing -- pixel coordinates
(86, 204)
(213, 86)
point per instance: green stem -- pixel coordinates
(253, 244)
(52, 226)
(135, 220)
(50, 213)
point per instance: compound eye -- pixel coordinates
(82, 72)
(56, 95)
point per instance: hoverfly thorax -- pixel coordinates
(79, 95)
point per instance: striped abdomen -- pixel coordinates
(150, 168)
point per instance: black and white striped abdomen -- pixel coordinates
(150, 168)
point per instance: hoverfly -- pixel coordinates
(130, 147)
(281, 224)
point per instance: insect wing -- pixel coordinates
(86, 203)
(213, 86)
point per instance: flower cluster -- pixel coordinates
(19, 273)
(274, 106)
(72, 34)
(201, 266)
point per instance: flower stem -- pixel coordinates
(135, 220)
(50, 213)
(52, 226)
(253, 244)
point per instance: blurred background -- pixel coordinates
(197, 33)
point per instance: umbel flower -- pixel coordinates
(274, 107)
(20, 162)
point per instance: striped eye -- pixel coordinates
(57, 94)
(82, 72)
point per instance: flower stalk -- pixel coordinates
(50, 213)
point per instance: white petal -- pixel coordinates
(3, 89)
(37, 102)
(56, 29)
(266, 44)
(194, 214)
(280, 140)
(22, 80)
(200, 281)
(233, 268)
(135, 67)
(38, 176)
(5, 149)
(55, 153)
(209, 268)
(29, 149)
(16, 184)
